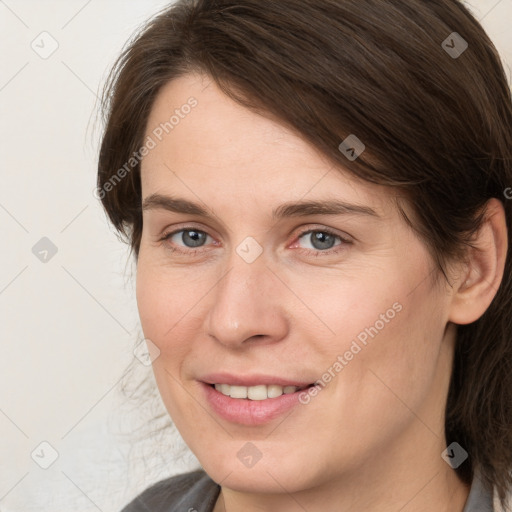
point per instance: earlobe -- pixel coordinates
(484, 268)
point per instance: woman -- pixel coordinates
(315, 192)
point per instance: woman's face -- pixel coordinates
(279, 269)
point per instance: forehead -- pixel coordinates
(212, 144)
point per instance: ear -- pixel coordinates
(484, 267)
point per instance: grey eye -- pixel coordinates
(320, 240)
(189, 238)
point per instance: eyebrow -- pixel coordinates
(291, 209)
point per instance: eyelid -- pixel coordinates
(324, 229)
(169, 231)
(170, 234)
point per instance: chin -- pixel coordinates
(267, 476)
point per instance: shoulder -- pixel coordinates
(188, 492)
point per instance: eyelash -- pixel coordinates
(193, 252)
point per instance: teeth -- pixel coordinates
(261, 392)
(257, 392)
(237, 391)
(273, 391)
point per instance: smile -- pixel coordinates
(251, 405)
(259, 392)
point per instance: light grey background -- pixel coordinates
(69, 324)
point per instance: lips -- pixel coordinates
(253, 380)
(251, 400)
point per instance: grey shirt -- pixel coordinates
(197, 492)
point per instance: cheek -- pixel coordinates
(165, 301)
(351, 310)
(384, 343)
(388, 369)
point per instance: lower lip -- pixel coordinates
(249, 412)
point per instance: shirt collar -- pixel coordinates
(480, 499)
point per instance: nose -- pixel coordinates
(246, 305)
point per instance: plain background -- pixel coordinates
(69, 324)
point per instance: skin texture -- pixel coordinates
(372, 438)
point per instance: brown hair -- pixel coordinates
(437, 126)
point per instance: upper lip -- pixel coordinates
(252, 380)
